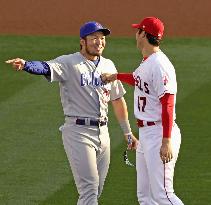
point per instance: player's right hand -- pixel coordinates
(166, 153)
(17, 63)
(108, 77)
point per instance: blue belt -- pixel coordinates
(90, 122)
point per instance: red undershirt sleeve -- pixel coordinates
(126, 78)
(167, 102)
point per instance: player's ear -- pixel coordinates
(82, 41)
(144, 34)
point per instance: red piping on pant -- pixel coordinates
(165, 185)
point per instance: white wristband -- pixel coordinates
(125, 125)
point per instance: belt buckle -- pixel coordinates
(145, 123)
(87, 121)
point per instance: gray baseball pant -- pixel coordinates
(88, 152)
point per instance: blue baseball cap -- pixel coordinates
(91, 27)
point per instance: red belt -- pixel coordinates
(142, 123)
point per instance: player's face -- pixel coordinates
(94, 44)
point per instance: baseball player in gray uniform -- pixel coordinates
(85, 100)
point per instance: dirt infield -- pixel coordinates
(64, 17)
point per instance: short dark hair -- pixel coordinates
(153, 40)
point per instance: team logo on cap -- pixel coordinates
(98, 25)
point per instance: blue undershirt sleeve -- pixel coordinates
(37, 68)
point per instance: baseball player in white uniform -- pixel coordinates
(154, 107)
(85, 100)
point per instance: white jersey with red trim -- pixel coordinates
(153, 78)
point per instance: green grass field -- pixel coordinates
(33, 166)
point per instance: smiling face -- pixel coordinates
(93, 45)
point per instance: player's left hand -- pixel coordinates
(108, 77)
(166, 154)
(132, 142)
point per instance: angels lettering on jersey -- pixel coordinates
(143, 86)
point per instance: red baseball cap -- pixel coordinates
(151, 25)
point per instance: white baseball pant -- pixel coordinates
(154, 179)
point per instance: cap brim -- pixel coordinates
(135, 25)
(105, 31)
